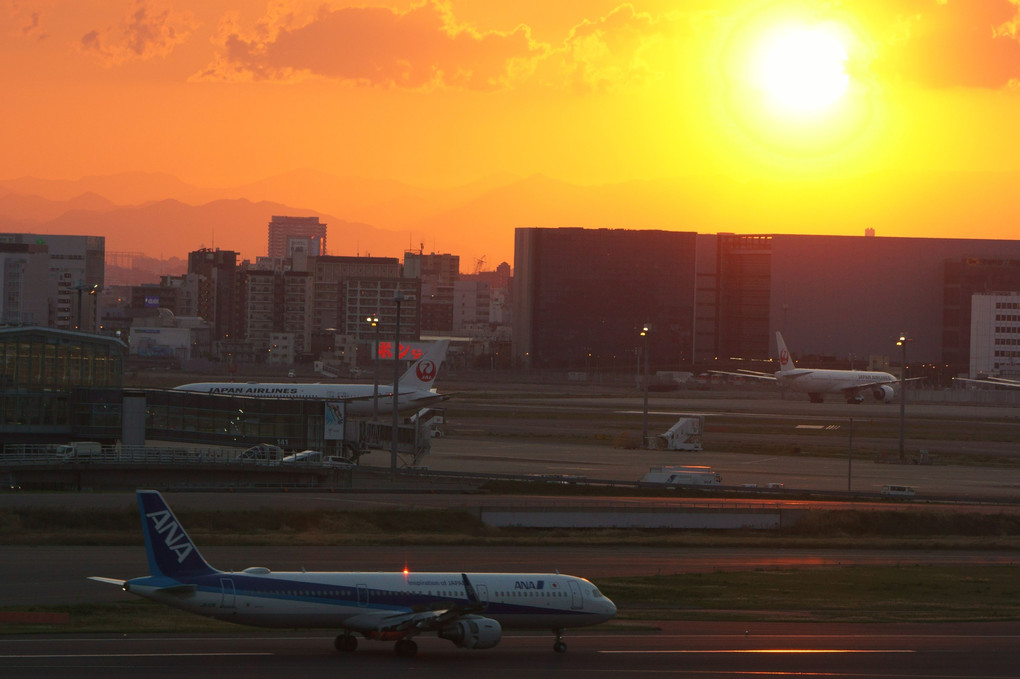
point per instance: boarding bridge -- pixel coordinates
(414, 437)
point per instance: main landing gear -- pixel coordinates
(406, 648)
(346, 643)
(559, 646)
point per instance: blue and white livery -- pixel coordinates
(470, 610)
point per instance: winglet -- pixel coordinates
(785, 360)
(171, 552)
(421, 376)
(469, 590)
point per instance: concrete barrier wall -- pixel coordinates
(719, 519)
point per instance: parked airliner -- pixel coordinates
(416, 388)
(852, 384)
(470, 610)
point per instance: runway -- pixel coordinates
(690, 650)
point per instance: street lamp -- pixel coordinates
(902, 343)
(373, 320)
(645, 329)
(398, 297)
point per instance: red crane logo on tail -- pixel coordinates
(784, 357)
(426, 371)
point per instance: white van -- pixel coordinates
(305, 457)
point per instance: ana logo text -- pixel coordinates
(173, 535)
(529, 584)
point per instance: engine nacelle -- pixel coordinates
(472, 631)
(883, 393)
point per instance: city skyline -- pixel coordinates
(454, 122)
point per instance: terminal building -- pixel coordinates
(714, 298)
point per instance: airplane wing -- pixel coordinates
(991, 381)
(855, 389)
(746, 373)
(109, 581)
(381, 622)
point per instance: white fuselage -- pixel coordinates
(336, 600)
(358, 397)
(830, 381)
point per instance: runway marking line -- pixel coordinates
(765, 650)
(131, 655)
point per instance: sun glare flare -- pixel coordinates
(801, 68)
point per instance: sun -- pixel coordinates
(800, 68)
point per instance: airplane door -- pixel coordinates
(483, 592)
(228, 596)
(576, 600)
(362, 595)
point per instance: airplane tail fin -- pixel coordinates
(171, 552)
(421, 376)
(785, 360)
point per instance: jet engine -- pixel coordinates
(883, 393)
(472, 631)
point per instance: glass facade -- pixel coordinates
(209, 419)
(39, 367)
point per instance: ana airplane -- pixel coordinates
(416, 388)
(852, 384)
(470, 610)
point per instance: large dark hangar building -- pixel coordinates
(716, 297)
(581, 296)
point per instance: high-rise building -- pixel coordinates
(217, 291)
(24, 277)
(288, 233)
(76, 270)
(330, 276)
(438, 273)
(995, 335)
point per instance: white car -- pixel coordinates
(338, 463)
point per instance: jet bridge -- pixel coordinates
(414, 435)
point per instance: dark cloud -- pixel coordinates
(421, 47)
(144, 34)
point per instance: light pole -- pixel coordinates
(645, 329)
(373, 320)
(902, 343)
(398, 297)
(94, 293)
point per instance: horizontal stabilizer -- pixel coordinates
(109, 581)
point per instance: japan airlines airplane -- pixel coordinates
(992, 381)
(416, 390)
(470, 610)
(852, 384)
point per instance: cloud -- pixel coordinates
(27, 18)
(144, 34)
(623, 47)
(422, 47)
(947, 43)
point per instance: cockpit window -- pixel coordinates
(595, 594)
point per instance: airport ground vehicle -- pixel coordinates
(79, 451)
(681, 475)
(902, 491)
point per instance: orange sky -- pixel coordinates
(434, 93)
